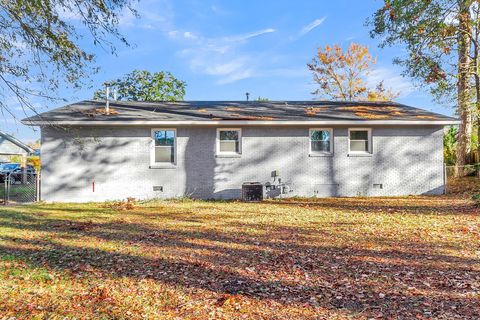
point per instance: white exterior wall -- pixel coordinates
(405, 160)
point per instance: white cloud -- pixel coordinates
(309, 27)
(172, 33)
(251, 35)
(225, 68)
(235, 76)
(221, 57)
(219, 10)
(189, 35)
(391, 79)
(153, 15)
(228, 67)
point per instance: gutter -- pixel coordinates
(242, 123)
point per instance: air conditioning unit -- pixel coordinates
(252, 191)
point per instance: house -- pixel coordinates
(11, 146)
(207, 149)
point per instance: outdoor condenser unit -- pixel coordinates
(252, 191)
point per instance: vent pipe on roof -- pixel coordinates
(248, 95)
(107, 103)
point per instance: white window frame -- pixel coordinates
(229, 154)
(320, 153)
(369, 131)
(154, 164)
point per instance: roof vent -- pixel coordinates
(107, 102)
(248, 95)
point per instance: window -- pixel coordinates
(229, 141)
(359, 141)
(163, 146)
(321, 141)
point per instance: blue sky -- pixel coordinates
(223, 49)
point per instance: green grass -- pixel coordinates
(355, 258)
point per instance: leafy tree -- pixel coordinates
(438, 38)
(450, 146)
(39, 45)
(262, 99)
(141, 85)
(33, 161)
(341, 75)
(381, 93)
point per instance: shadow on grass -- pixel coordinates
(423, 206)
(286, 264)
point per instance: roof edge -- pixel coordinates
(242, 122)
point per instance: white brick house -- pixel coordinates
(208, 149)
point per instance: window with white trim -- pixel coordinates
(229, 141)
(163, 149)
(321, 141)
(359, 140)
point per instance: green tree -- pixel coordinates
(40, 48)
(450, 146)
(142, 85)
(438, 38)
(341, 75)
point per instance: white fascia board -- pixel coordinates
(244, 123)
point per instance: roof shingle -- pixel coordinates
(121, 111)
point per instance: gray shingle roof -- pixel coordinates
(125, 112)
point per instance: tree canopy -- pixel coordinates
(40, 45)
(142, 85)
(441, 41)
(428, 29)
(341, 75)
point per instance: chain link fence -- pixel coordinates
(19, 187)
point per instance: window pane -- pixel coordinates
(164, 137)
(359, 146)
(323, 135)
(320, 146)
(359, 135)
(229, 146)
(164, 154)
(229, 135)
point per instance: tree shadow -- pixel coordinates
(424, 205)
(287, 264)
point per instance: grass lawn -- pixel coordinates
(358, 258)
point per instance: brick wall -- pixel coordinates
(405, 160)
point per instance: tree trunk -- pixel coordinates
(478, 144)
(463, 87)
(476, 73)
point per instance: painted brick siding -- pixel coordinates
(405, 160)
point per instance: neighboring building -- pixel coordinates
(11, 146)
(208, 149)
